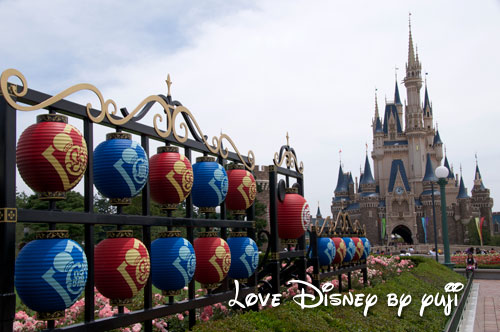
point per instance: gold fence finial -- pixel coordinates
(169, 83)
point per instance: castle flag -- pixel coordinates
(383, 228)
(424, 225)
(479, 226)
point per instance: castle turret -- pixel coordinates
(427, 111)
(397, 101)
(341, 192)
(481, 200)
(462, 213)
(429, 182)
(368, 203)
(413, 83)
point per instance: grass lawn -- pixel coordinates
(428, 277)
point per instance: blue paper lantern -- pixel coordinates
(173, 262)
(367, 248)
(350, 249)
(50, 273)
(120, 168)
(244, 256)
(326, 251)
(210, 184)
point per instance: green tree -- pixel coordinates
(74, 202)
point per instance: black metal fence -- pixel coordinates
(296, 257)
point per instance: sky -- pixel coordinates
(256, 70)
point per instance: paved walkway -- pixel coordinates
(487, 318)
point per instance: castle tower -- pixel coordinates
(481, 201)
(414, 129)
(462, 213)
(368, 204)
(429, 182)
(428, 124)
(341, 193)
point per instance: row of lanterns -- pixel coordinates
(342, 250)
(51, 271)
(52, 158)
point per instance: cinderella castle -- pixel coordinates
(396, 198)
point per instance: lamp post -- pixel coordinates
(441, 173)
(434, 222)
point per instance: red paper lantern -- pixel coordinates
(170, 177)
(51, 156)
(121, 267)
(213, 259)
(359, 248)
(293, 215)
(340, 251)
(242, 189)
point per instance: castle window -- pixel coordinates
(370, 215)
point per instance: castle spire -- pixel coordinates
(397, 99)
(429, 170)
(478, 180)
(411, 52)
(462, 193)
(342, 185)
(367, 174)
(447, 165)
(427, 104)
(437, 139)
(376, 106)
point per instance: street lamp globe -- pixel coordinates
(441, 172)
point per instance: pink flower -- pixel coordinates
(180, 316)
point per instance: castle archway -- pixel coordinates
(404, 232)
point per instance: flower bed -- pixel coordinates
(487, 261)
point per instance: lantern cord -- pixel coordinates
(119, 210)
(169, 214)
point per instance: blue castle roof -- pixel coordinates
(398, 167)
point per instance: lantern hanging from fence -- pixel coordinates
(213, 259)
(340, 250)
(293, 215)
(50, 274)
(210, 184)
(120, 168)
(51, 156)
(244, 255)
(242, 189)
(173, 262)
(122, 267)
(359, 249)
(170, 177)
(326, 251)
(350, 249)
(367, 247)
